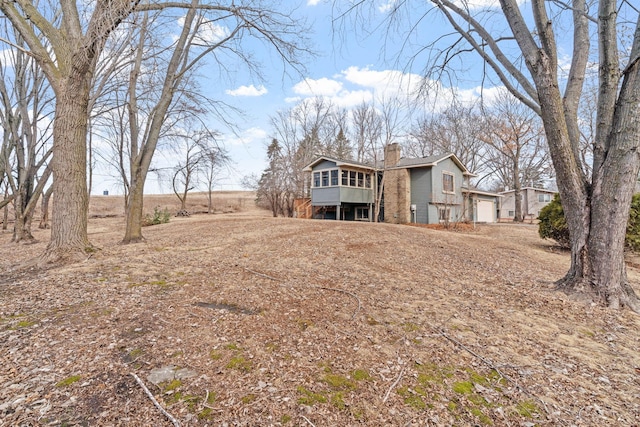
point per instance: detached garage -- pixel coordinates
(482, 205)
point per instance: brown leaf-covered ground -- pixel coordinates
(303, 322)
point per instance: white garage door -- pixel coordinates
(485, 211)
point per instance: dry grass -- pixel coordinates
(287, 320)
(222, 201)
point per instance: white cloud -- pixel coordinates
(320, 87)
(208, 32)
(211, 33)
(312, 2)
(247, 91)
(6, 58)
(386, 83)
(489, 95)
(352, 98)
(355, 85)
(247, 137)
(387, 6)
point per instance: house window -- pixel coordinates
(349, 178)
(512, 213)
(325, 178)
(352, 178)
(447, 182)
(334, 177)
(444, 214)
(542, 198)
(316, 179)
(362, 214)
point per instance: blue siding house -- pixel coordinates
(428, 190)
(342, 189)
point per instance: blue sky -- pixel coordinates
(349, 68)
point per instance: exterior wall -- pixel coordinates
(397, 196)
(454, 201)
(338, 194)
(356, 195)
(325, 165)
(531, 206)
(471, 212)
(421, 194)
(508, 204)
(325, 196)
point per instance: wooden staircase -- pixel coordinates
(303, 208)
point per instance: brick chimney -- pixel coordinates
(392, 154)
(397, 189)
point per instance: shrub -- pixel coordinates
(553, 225)
(158, 217)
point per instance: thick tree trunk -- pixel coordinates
(69, 240)
(5, 217)
(598, 266)
(575, 194)
(44, 217)
(5, 210)
(603, 270)
(22, 224)
(134, 211)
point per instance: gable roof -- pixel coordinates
(474, 190)
(338, 162)
(542, 190)
(429, 161)
(404, 163)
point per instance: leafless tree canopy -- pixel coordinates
(518, 46)
(68, 39)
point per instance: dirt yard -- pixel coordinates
(262, 321)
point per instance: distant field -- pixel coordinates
(223, 202)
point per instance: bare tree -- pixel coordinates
(516, 147)
(214, 158)
(367, 128)
(453, 130)
(522, 53)
(273, 187)
(25, 116)
(201, 158)
(5, 204)
(44, 215)
(67, 46)
(303, 132)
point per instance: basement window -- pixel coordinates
(444, 214)
(362, 213)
